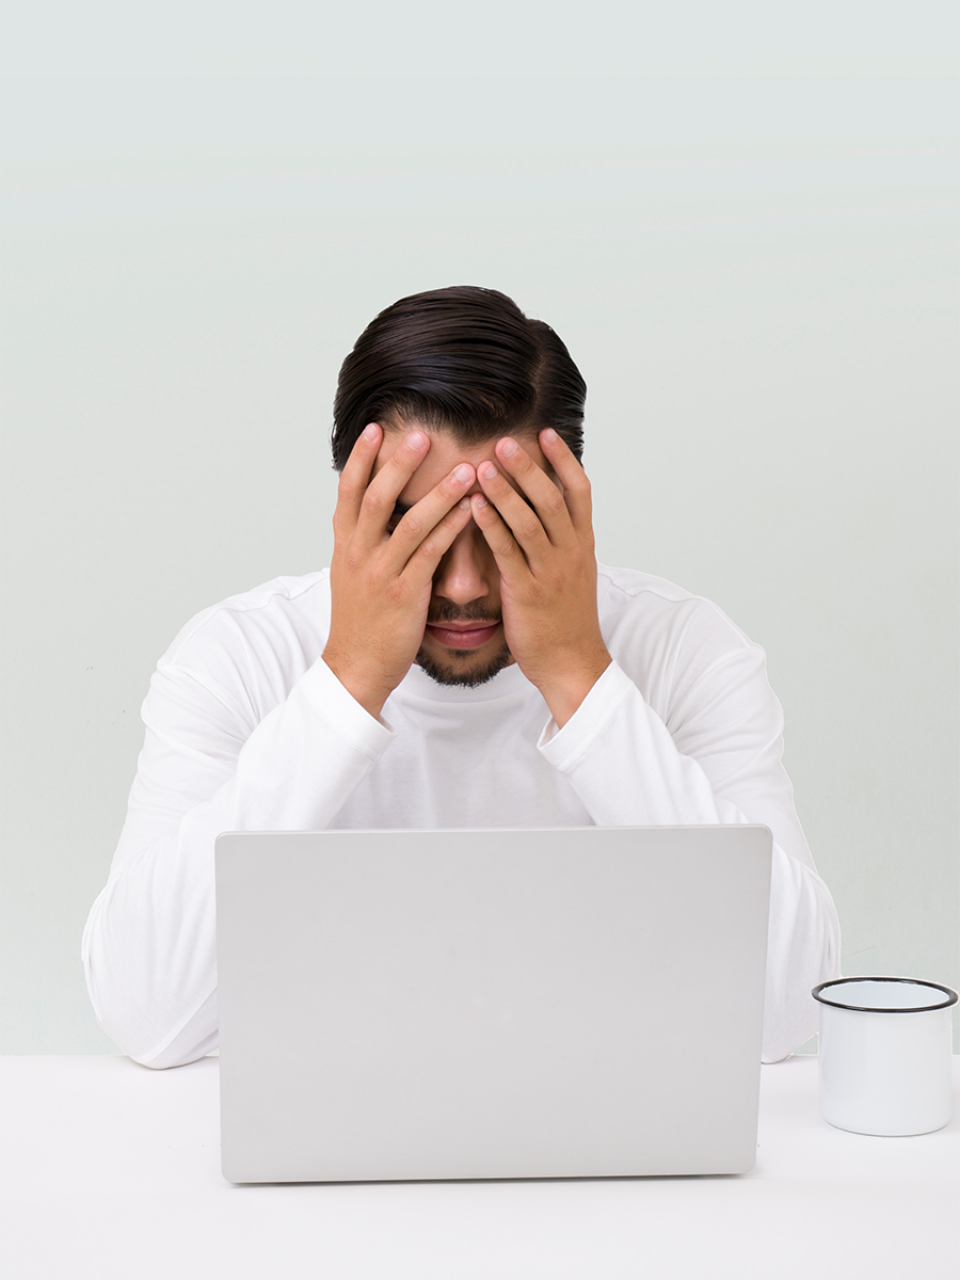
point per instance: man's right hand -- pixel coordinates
(381, 581)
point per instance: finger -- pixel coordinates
(534, 484)
(426, 514)
(355, 477)
(380, 497)
(576, 486)
(506, 550)
(422, 565)
(517, 511)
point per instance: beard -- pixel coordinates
(457, 669)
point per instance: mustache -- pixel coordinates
(473, 612)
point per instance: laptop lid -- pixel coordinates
(576, 1002)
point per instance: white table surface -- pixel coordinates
(112, 1170)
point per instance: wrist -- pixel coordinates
(371, 693)
(564, 692)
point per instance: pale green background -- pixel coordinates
(741, 219)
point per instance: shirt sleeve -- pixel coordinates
(716, 759)
(207, 766)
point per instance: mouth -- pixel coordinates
(462, 635)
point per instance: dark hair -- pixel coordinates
(465, 360)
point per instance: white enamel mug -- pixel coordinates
(885, 1046)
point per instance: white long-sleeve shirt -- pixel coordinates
(248, 729)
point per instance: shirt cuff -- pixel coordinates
(339, 710)
(565, 747)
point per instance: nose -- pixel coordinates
(466, 571)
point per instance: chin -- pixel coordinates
(464, 668)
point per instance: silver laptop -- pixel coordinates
(578, 1002)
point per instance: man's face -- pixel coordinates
(463, 643)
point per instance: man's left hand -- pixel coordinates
(544, 549)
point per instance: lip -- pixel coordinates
(462, 635)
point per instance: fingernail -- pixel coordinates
(481, 500)
(370, 432)
(487, 471)
(548, 436)
(417, 440)
(464, 504)
(508, 449)
(463, 472)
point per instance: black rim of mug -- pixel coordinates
(951, 995)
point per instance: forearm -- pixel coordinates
(149, 948)
(803, 949)
(624, 764)
(628, 770)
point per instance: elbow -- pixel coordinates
(803, 949)
(155, 1013)
(151, 1041)
(152, 1036)
(149, 1027)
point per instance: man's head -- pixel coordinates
(464, 367)
(464, 360)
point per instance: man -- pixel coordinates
(464, 662)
